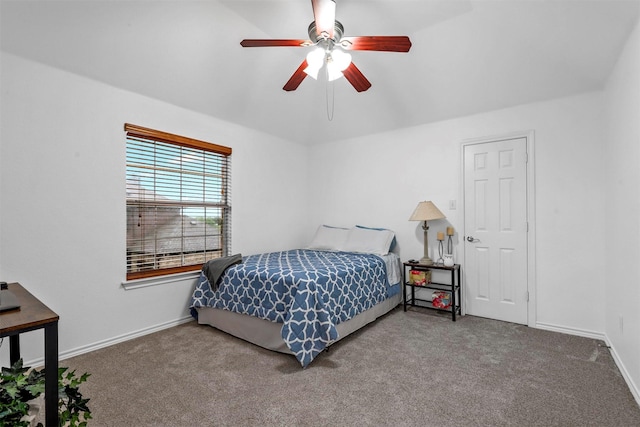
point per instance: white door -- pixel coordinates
(495, 226)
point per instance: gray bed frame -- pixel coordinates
(267, 334)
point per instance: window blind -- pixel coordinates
(178, 202)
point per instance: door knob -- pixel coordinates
(472, 239)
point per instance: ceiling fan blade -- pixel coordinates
(297, 77)
(324, 13)
(378, 43)
(356, 78)
(274, 42)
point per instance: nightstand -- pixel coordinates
(453, 288)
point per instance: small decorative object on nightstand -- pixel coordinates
(448, 260)
(448, 257)
(440, 248)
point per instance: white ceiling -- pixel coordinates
(468, 56)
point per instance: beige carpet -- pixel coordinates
(407, 369)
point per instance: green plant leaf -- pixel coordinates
(19, 385)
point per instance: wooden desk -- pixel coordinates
(32, 315)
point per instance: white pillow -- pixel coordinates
(329, 238)
(366, 240)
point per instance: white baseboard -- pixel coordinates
(111, 341)
(635, 391)
(571, 331)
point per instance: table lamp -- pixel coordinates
(426, 211)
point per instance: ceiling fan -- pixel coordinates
(327, 35)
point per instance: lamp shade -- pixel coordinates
(426, 211)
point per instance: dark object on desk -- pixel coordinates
(8, 301)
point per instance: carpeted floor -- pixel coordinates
(407, 369)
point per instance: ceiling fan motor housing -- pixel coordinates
(338, 32)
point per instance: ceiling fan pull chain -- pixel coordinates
(333, 97)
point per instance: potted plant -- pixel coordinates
(20, 386)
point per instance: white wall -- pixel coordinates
(623, 210)
(378, 181)
(62, 186)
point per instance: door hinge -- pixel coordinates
(527, 223)
(527, 296)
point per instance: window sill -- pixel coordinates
(160, 280)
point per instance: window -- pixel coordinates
(178, 202)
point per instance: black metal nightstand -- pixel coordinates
(453, 288)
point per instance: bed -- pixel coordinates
(303, 300)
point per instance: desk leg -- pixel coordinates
(51, 374)
(14, 348)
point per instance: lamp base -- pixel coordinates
(426, 261)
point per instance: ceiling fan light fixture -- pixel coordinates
(333, 74)
(337, 62)
(315, 61)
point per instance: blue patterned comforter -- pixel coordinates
(308, 291)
